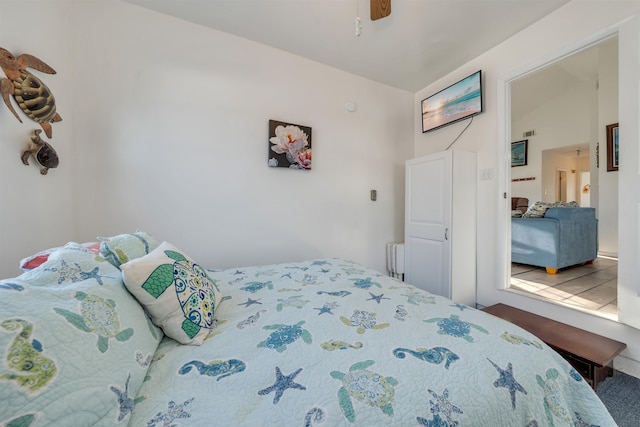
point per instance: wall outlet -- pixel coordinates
(374, 195)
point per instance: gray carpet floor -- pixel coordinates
(621, 395)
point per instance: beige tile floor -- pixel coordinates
(590, 287)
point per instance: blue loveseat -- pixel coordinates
(563, 237)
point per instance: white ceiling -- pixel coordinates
(421, 41)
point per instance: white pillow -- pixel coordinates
(176, 292)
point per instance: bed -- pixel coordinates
(321, 342)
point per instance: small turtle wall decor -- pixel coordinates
(33, 97)
(43, 153)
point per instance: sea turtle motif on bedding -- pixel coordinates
(193, 287)
(365, 386)
(72, 272)
(455, 327)
(33, 97)
(29, 367)
(254, 287)
(363, 320)
(365, 283)
(97, 316)
(285, 334)
(552, 404)
(216, 368)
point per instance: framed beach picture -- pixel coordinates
(613, 153)
(519, 153)
(454, 103)
(289, 145)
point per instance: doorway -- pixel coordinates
(557, 107)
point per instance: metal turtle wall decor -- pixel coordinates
(32, 96)
(43, 153)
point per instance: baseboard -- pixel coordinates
(626, 365)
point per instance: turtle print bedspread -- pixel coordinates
(329, 342)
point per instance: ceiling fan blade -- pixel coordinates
(380, 9)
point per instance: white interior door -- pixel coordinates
(427, 222)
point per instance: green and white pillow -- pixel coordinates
(126, 247)
(178, 294)
(74, 353)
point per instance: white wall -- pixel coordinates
(563, 121)
(567, 26)
(36, 211)
(170, 136)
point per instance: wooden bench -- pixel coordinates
(590, 354)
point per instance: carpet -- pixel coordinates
(621, 395)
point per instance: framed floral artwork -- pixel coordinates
(289, 145)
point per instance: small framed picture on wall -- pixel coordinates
(519, 153)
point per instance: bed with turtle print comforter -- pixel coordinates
(323, 342)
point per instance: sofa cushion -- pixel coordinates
(178, 294)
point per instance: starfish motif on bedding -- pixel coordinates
(376, 298)
(125, 403)
(326, 308)
(507, 381)
(282, 383)
(251, 302)
(462, 307)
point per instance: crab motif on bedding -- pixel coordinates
(363, 320)
(365, 386)
(442, 409)
(285, 334)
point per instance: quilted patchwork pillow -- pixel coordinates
(178, 294)
(36, 260)
(125, 247)
(72, 263)
(73, 354)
